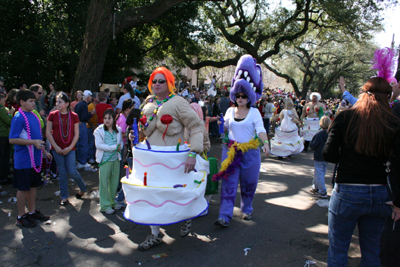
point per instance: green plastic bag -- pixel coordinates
(212, 187)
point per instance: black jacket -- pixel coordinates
(317, 144)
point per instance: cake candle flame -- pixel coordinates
(127, 171)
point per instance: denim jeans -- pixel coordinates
(82, 144)
(352, 205)
(91, 145)
(319, 176)
(66, 166)
(266, 124)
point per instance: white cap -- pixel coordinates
(87, 92)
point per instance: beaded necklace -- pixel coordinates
(159, 104)
(111, 135)
(6, 109)
(30, 147)
(393, 103)
(62, 128)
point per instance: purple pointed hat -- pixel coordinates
(247, 79)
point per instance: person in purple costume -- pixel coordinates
(241, 123)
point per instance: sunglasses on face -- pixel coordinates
(241, 96)
(39, 93)
(159, 81)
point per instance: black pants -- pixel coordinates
(5, 150)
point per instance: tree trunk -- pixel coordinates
(99, 32)
(98, 35)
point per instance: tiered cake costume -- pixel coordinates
(165, 195)
(287, 141)
(158, 192)
(241, 153)
(311, 116)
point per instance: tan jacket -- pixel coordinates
(183, 117)
(206, 139)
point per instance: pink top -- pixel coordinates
(207, 123)
(121, 122)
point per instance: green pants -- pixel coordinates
(109, 178)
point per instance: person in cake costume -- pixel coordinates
(312, 113)
(287, 141)
(168, 178)
(241, 159)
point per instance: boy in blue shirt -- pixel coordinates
(25, 134)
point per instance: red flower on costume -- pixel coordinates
(143, 120)
(166, 119)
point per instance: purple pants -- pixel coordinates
(247, 174)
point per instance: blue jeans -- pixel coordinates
(91, 146)
(352, 205)
(66, 166)
(319, 176)
(266, 124)
(82, 144)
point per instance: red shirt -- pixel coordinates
(100, 108)
(68, 128)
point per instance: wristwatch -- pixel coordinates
(192, 154)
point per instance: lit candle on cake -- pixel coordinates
(177, 146)
(127, 171)
(145, 179)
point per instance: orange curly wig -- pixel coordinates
(168, 76)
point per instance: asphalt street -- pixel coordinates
(288, 228)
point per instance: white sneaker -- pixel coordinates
(117, 207)
(90, 169)
(91, 161)
(109, 211)
(80, 166)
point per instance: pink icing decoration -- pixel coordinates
(162, 204)
(150, 165)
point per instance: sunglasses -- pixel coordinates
(159, 81)
(39, 93)
(241, 96)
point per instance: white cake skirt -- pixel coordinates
(290, 144)
(311, 127)
(159, 202)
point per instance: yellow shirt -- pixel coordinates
(93, 119)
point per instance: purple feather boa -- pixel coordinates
(232, 167)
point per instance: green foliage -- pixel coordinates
(42, 40)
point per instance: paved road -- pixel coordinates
(288, 228)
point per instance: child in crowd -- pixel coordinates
(109, 143)
(320, 165)
(63, 132)
(102, 106)
(133, 114)
(5, 147)
(121, 122)
(26, 135)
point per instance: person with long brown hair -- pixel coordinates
(361, 140)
